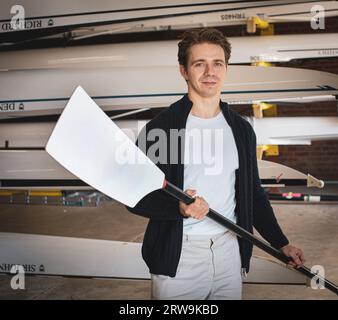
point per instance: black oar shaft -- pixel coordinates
(180, 195)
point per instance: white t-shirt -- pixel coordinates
(210, 161)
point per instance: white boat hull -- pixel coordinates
(67, 256)
(20, 162)
(24, 167)
(132, 16)
(278, 48)
(294, 130)
(41, 92)
(276, 130)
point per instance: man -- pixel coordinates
(189, 255)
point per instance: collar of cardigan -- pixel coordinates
(185, 105)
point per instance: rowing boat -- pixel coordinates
(125, 16)
(277, 48)
(41, 92)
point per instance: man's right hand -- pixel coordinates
(197, 210)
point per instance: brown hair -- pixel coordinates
(205, 35)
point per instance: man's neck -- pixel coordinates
(204, 107)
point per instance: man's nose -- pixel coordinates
(209, 70)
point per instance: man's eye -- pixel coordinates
(199, 64)
(219, 64)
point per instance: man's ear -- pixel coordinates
(183, 72)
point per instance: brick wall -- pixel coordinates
(321, 157)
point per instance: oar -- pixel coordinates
(88, 144)
(180, 195)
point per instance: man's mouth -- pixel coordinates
(209, 83)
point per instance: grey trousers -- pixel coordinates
(209, 269)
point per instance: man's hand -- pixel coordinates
(296, 254)
(198, 209)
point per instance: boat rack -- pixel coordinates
(53, 197)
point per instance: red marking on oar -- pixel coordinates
(164, 184)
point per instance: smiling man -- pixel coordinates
(189, 255)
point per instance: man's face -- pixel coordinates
(206, 69)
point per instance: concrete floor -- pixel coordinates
(313, 227)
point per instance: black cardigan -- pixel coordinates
(162, 242)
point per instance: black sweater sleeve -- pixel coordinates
(264, 219)
(157, 205)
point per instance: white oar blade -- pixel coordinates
(89, 145)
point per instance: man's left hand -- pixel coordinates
(295, 254)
